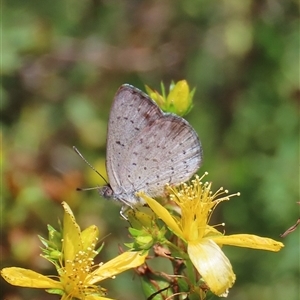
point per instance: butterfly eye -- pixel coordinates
(106, 192)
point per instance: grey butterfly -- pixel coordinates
(146, 148)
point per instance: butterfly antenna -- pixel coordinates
(87, 189)
(77, 151)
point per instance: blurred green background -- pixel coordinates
(63, 61)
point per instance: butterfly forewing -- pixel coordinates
(131, 112)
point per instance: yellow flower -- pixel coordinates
(178, 101)
(78, 275)
(197, 203)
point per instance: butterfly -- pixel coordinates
(146, 148)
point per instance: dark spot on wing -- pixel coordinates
(119, 143)
(147, 115)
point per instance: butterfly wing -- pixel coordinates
(131, 112)
(166, 151)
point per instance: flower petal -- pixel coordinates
(213, 266)
(71, 235)
(27, 278)
(89, 236)
(162, 213)
(119, 264)
(249, 241)
(179, 100)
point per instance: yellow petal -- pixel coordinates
(213, 266)
(162, 213)
(71, 235)
(211, 232)
(249, 241)
(29, 278)
(179, 97)
(119, 264)
(89, 236)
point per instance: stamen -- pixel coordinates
(217, 225)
